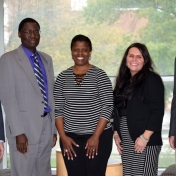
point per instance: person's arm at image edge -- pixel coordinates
(173, 115)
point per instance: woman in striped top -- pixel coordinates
(83, 106)
(139, 110)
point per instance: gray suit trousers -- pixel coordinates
(36, 162)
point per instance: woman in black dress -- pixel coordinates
(139, 110)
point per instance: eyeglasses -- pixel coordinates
(29, 33)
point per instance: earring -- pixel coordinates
(90, 57)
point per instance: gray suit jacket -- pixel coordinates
(172, 131)
(21, 96)
(1, 125)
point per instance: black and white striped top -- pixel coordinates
(82, 105)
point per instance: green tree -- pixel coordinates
(59, 24)
(158, 33)
(112, 25)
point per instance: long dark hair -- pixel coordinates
(124, 73)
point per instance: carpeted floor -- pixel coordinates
(6, 172)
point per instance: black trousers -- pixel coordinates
(82, 165)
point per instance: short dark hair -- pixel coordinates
(26, 20)
(81, 38)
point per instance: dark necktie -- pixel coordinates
(40, 80)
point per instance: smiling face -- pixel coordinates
(134, 60)
(81, 53)
(29, 41)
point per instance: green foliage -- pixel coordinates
(112, 25)
(158, 33)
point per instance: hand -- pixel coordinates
(1, 149)
(92, 146)
(54, 139)
(139, 145)
(22, 143)
(171, 141)
(67, 147)
(118, 142)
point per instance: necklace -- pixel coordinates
(79, 78)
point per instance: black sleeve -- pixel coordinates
(155, 89)
(115, 117)
(173, 108)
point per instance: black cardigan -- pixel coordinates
(145, 114)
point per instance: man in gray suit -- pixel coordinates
(29, 108)
(2, 138)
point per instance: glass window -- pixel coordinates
(78, 5)
(166, 157)
(111, 26)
